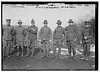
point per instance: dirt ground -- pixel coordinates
(39, 63)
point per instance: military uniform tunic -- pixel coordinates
(45, 33)
(58, 35)
(32, 36)
(8, 32)
(19, 35)
(71, 35)
(88, 40)
(71, 32)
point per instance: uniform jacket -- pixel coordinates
(71, 32)
(45, 33)
(19, 33)
(87, 34)
(8, 32)
(32, 32)
(59, 33)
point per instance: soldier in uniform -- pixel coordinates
(32, 36)
(71, 35)
(86, 38)
(45, 35)
(58, 37)
(8, 32)
(20, 37)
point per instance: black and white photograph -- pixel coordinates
(49, 36)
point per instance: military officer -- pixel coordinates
(19, 36)
(32, 36)
(45, 35)
(8, 32)
(58, 37)
(86, 38)
(71, 35)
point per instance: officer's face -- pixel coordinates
(45, 24)
(32, 23)
(59, 24)
(70, 23)
(87, 25)
(8, 23)
(20, 24)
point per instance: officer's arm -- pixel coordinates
(3, 30)
(76, 31)
(40, 33)
(36, 30)
(91, 32)
(65, 28)
(64, 31)
(63, 34)
(54, 34)
(81, 35)
(50, 33)
(24, 32)
(13, 31)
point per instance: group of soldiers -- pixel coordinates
(69, 34)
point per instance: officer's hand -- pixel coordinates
(92, 45)
(33, 29)
(50, 40)
(85, 37)
(39, 40)
(75, 39)
(81, 42)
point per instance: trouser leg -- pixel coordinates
(28, 51)
(18, 50)
(59, 52)
(22, 50)
(85, 51)
(4, 49)
(59, 48)
(33, 48)
(69, 50)
(47, 52)
(88, 50)
(44, 51)
(69, 47)
(54, 48)
(73, 48)
(74, 52)
(8, 48)
(54, 51)
(44, 48)
(32, 51)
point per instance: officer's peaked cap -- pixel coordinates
(86, 22)
(8, 20)
(32, 21)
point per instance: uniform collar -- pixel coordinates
(8, 25)
(45, 26)
(59, 26)
(19, 26)
(86, 27)
(71, 25)
(32, 25)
